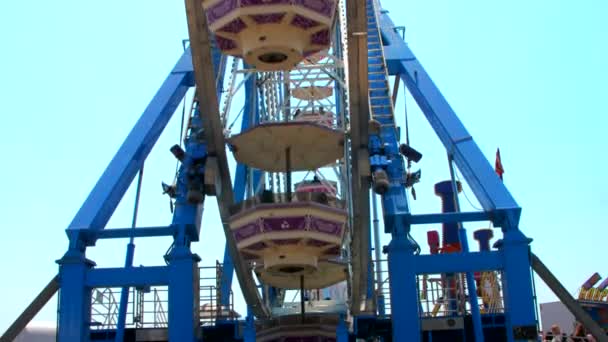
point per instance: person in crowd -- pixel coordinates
(579, 333)
(557, 334)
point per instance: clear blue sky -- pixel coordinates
(525, 76)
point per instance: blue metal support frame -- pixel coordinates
(77, 277)
(387, 54)
(449, 217)
(459, 262)
(183, 264)
(132, 277)
(119, 233)
(477, 171)
(489, 190)
(385, 156)
(74, 269)
(107, 193)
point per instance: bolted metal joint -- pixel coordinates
(380, 181)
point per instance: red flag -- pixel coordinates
(498, 164)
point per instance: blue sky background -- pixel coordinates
(525, 76)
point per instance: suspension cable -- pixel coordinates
(465, 193)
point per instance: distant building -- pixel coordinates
(38, 332)
(556, 313)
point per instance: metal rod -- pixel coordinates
(136, 207)
(378, 255)
(377, 243)
(124, 293)
(286, 96)
(32, 310)
(302, 307)
(564, 296)
(464, 245)
(396, 89)
(288, 172)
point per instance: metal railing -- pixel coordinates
(210, 297)
(148, 307)
(448, 295)
(382, 287)
(104, 308)
(154, 304)
(444, 294)
(265, 199)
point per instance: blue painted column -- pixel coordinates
(477, 171)
(183, 264)
(404, 292)
(249, 331)
(342, 330)
(75, 297)
(183, 291)
(517, 285)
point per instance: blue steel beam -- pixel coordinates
(459, 262)
(489, 190)
(118, 233)
(449, 217)
(107, 193)
(132, 277)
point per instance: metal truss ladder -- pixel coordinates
(380, 101)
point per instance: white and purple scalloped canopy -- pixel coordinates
(289, 240)
(271, 34)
